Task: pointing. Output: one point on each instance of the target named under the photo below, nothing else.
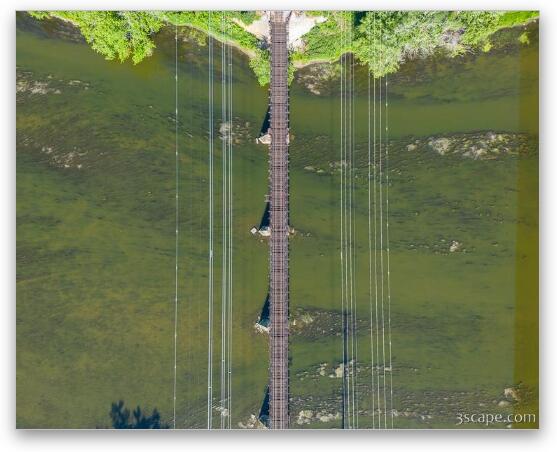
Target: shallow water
(96, 234)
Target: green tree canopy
(118, 35)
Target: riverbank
(381, 40)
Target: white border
(282, 4)
(312, 441)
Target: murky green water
(96, 234)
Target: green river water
(96, 236)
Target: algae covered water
(96, 248)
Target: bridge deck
(278, 160)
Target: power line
(371, 285)
(176, 224)
(211, 235)
(388, 245)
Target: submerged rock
(317, 78)
(511, 393)
(339, 371)
(252, 423)
(476, 146)
(224, 129)
(27, 85)
(440, 145)
(477, 153)
(304, 417)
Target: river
(96, 234)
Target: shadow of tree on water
(123, 419)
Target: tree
(121, 418)
(115, 34)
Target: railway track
(279, 221)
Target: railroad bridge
(279, 221)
